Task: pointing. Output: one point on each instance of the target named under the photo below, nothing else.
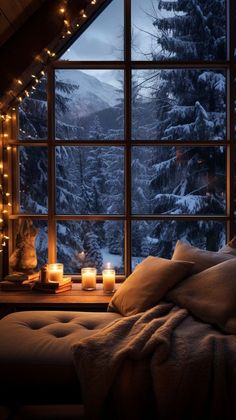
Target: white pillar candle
(88, 276)
(108, 279)
(55, 272)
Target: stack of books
(17, 282)
(53, 286)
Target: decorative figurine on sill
(24, 257)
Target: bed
(166, 348)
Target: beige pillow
(203, 259)
(148, 284)
(210, 295)
(230, 247)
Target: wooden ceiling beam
(20, 54)
(14, 14)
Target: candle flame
(108, 265)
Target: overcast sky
(103, 39)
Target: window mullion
(230, 120)
(128, 122)
(51, 169)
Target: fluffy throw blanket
(161, 364)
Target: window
(127, 144)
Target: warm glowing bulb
(27, 93)
(7, 194)
(93, 2)
(42, 72)
(1, 220)
(19, 82)
(6, 237)
(8, 147)
(5, 175)
(62, 10)
(9, 204)
(1, 165)
(84, 15)
(77, 25)
(33, 87)
(68, 32)
(33, 75)
(66, 22)
(20, 99)
(5, 211)
(5, 135)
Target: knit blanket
(160, 364)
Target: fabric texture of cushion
(35, 342)
(148, 284)
(210, 295)
(203, 259)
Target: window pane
(90, 180)
(90, 244)
(33, 179)
(178, 30)
(33, 114)
(178, 180)
(179, 104)
(158, 238)
(89, 104)
(103, 39)
(41, 242)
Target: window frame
(229, 65)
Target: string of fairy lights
(22, 89)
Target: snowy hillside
(91, 94)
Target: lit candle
(55, 272)
(108, 278)
(88, 275)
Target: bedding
(203, 259)
(172, 361)
(150, 280)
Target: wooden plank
(12, 9)
(4, 24)
(15, 15)
(75, 297)
(20, 54)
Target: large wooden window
(127, 144)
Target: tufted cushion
(35, 346)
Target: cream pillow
(230, 247)
(203, 259)
(210, 295)
(148, 284)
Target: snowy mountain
(91, 95)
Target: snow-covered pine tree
(188, 104)
(33, 113)
(93, 256)
(96, 131)
(63, 91)
(190, 30)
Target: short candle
(108, 279)
(55, 272)
(88, 275)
